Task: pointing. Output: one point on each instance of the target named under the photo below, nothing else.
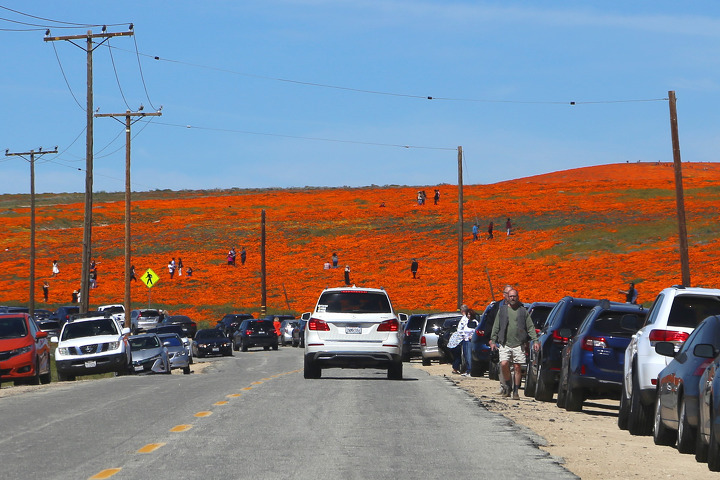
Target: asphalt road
(254, 416)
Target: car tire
(46, 377)
(243, 347)
(35, 379)
(494, 371)
(701, 450)
(294, 344)
(562, 390)
(275, 347)
(235, 346)
(406, 357)
(476, 369)
(311, 369)
(661, 434)
(395, 371)
(530, 382)
(426, 362)
(186, 370)
(543, 388)
(640, 417)
(686, 433)
(713, 456)
(624, 411)
(574, 399)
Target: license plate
(90, 364)
(353, 330)
(216, 349)
(138, 368)
(261, 332)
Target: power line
(117, 78)
(58, 21)
(142, 76)
(65, 78)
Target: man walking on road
(512, 329)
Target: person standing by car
(465, 328)
(414, 267)
(512, 329)
(276, 325)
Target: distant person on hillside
(475, 232)
(347, 275)
(419, 197)
(132, 273)
(631, 294)
(171, 267)
(335, 259)
(46, 291)
(189, 271)
(243, 256)
(74, 296)
(55, 268)
(437, 196)
(414, 267)
(490, 231)
(179, 267)
(508, 226)
(231, 257)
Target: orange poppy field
(585, 232)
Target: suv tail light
(423, 342)
(319, 325)
(667, 336)
(480, 333)
(391, 325)
(590, 343)
(558, 339)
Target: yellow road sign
(150, 278)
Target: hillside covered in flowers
(584, 232)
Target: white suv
(92, 345)
(353, 327)
(672, 318)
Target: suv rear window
(415, 322)
(688, 311)
(609, 324)
(354, 302)
(434, 324)
(257, 325)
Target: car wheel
(35, 379)
(425, 362)
(275, 347)
(624, 411)
(639, 419)
(294, 343)
(494, 371)
(562, 390)
(713, 456)
(661, 434)
(243, 347)
(543, 388)
(574, 399)
(235, 346)
(530, 382)
(686, 433)
(311, 369)
(701, 450)
(46, 378)
(186, 370)
(476, 369)
(395, 371)
(406, 357)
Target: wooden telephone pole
(679, 195)
(128, 123)
(32, 154)
(87, 223)
(460, 231)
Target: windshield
(173, 341)
(90, 328)
(354, 302)
(13, 327)
(144, 343)
(209, 333)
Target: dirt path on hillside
(590, 442)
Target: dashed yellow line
(107, 473)
(150, 447)
(203, 414)
(256, 383)
(234, 395)
(246, 388)
(221, 402)
(181, 428)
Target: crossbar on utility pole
(128, 123)
(32, 154)
(87, 223)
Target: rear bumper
(354, 359)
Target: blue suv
(592, 361)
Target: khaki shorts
(512, 354)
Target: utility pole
(128, 123)
(679, 195)
(32, 153)
(263, 280)
(460, 230)
(87, 223)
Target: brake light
(667, 336)
(558, 339)
(590, 343)
(701, 368)
(480, 333)
(423, 341)
(319, 325)
(391, 325)
(248, 332)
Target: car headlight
(63, 350)
(20, 351)
(113, 345)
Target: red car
(24, 350)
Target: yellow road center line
(107, 473)
(256, 383)
(266, 379)
(203, 414)
(234, 395)
(181, 428)
(247, 388)
(150, 447)
(222, 402)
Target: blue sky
(293, 93)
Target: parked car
(676, 403)
(143, 319)
(62, 314)
(162, 329)
(298, 333)
(480, 347)
(24, 350)
(353, 327)
(286, 329)
(672, 317)
(51, 327)
(255, 333)
(592, 361)
(177, 353)
(429, 338)
(411, 336)
(115, 310)
(448, 327)
(543, 369)
(231, 321)
(707, 447)
(149, 355)
(211, 341)
(41, 314)
(186, 323)
(92, 345)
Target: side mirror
(631, 322)
(666, 349)
(704, 350)
(40, 335)
(54, 339)
(403, 317)
(306, 316)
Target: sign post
(150, 278)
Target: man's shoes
(466, 374)
(456, 372)
(515, 395)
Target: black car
(449, 327)
(51, 327)
(543, 371)
(298, 333)
(592, 361)
(255, 333)
(211, 341)
(62, 314)
(231, 321)
(677, 404)
(186, 323)
(411, 336)
(480, 347)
